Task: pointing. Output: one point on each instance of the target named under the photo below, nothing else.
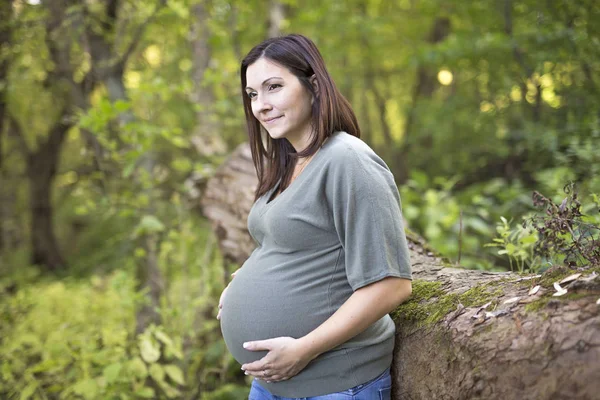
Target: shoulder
(345, 151)
(353, 170)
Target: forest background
(113, 114)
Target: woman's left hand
(286, 358)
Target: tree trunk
(234, 181)
(41, 171)
(450, 343)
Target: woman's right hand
(223, 295)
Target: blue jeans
(379, 388)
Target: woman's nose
(262, 105)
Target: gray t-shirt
(335, 229)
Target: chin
(275, 134)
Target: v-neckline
(271, 199)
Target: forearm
(364, 307)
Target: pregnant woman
(307, 313)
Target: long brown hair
(331, 112)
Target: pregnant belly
(258, 307)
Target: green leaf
(149, 349)
(175, 374)
(146, 393)
(111, 373)
(121, 105)
(528, 239)
(179, 8)
(129, 168)
(171, 392)
(28, 391)
(176, 352)
(149, 224)
(88, 388)
(138, 368)
(163, 338)
(157, 372)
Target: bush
(74, 339)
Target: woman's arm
(363, 308)
(288, 356)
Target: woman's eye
(274, 86)
(252, 95)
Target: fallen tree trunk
(464, 334)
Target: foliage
(460, 222)
(566, 235)
(75, 338)
(555, 235)
(518, 244)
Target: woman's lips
(270, 121)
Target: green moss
(429, 303)
(481, 294)
(537, 305)
(415, 308)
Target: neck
(301, 142)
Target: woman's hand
(223, 295)
(286, 358)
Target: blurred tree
(6, 21)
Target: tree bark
(41, 171)
(449, 344)
(227, 199)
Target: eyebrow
(265, 81)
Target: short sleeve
(368, 218)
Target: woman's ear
(315, 85)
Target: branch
(137, 36)
(58, 42)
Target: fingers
(222, 297)
(267, 377)
(255, 367)
(223, 294)
(258, 345)
(221, 303)
(221, 300)
(277, 378)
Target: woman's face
(279, 102)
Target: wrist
(308, 347)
